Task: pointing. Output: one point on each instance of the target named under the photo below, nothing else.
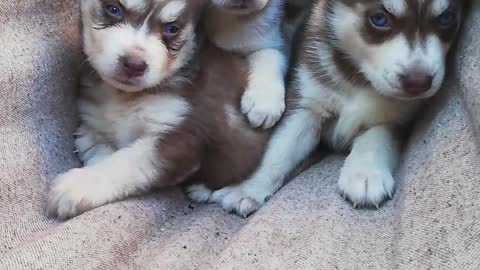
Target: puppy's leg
(129, 171)
(290, 144)
(90, 146)
(366, 178)
(264, 99)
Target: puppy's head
(398, 46)
(137, 44)
(240, 7)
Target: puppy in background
(254, 28)
(364, 68)
(158, 107)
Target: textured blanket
(433, 222)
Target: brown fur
(223, 154)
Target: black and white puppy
(363, 70)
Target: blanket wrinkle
(431, 223)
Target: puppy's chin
(407, 97)
(403, 96)
(131, 86)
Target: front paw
(89, 148)
(264, 104)
(239, 200)
(74, 193)
(365, 185)
(198, 193)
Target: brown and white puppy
(254, 29)
(364, 68)
(158, 108)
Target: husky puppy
(159, 107)
(254, 28)
(363, 70)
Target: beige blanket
(433, 222)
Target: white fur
(264, 99)
(396, 7)
(122, 120)
(172, 10)
(366, 177)
(117, 143)
(135, 5)
(126, 172)
(199, 193)
(439, 6)
(260, 38)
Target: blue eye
(379, 20)
(447, 18)
(171, 29)
(114, 10)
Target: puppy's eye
(447, 19)
(114, 10)
(380, 20)
(171, 30)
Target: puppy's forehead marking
(135, 5)
(396, 7)
(172, 10)
(439, 6)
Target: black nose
(416, 81)
(133, 66)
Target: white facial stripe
(135, 5)
(171, 11)
(396, 7)
(439, 6)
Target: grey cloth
(432, 222)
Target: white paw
(239, 200)
(264, 103)
(199, 193)
(75, 192)
(365, 185)
(88, 148)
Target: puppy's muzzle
(133, 66)
(416, 81)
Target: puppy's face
(136, 44)
(399, 46)
(241, 7)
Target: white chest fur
(352, 108)
(123, 118)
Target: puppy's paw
(88, 147)
(74, 193)
(264, 103)
(365, 185)
(238, 200)
(198, 193)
